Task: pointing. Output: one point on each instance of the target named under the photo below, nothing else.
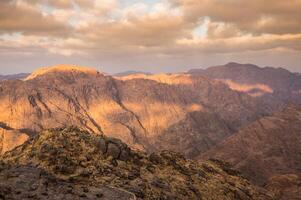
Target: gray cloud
(95, 32)
(18, 17)
(256, 16)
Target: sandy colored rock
(145, 112)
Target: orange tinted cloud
(171, 29)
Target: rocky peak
(62, 69)
(95, 161)
(64, 150)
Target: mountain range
(183, 112)
(239, 113)
(131, 72)
(267, 82)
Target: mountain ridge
(262, 149)
(134, 110)
(130, 72)
(60, 69)
(66, 154)
(280, 83)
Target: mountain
(247, 122)
(127, 73)
(180, 112)
(267, 151)
(74, 164)
(267, 82)
(14, 77)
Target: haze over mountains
(240, 113)
(131, 72)
(14, 76)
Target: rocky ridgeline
(73, 164)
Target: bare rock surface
(26, 182)
(9, 139)
(74, 164)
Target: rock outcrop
(9, 139)
(73, 164)
(27, 182)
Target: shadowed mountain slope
(266, 148)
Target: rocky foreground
(73, 164)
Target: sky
(150, 35)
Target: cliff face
(266, 83)
(9, 139)
(266, 148)
(145, 112)
(70, 163)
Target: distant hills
(14, 76)
(130, 72)
(277, 83)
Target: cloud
(256, 16)
(16, 16)
(167, 29)
(242, 43)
